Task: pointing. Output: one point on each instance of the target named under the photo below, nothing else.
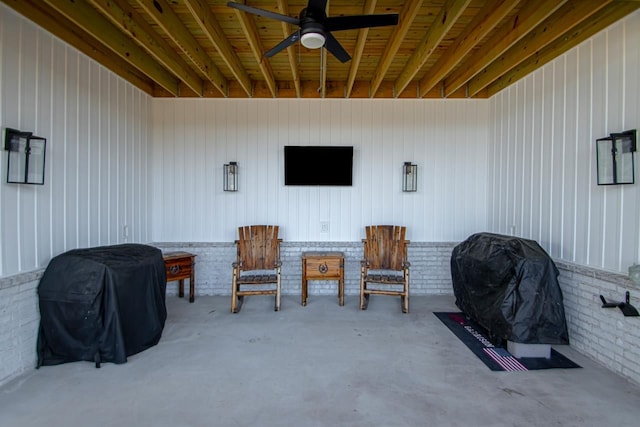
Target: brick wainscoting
(604, 334)
(19, 323)
(430, 267)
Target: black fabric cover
(510, 287)
(101, 304)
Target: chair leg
(362, 287)
(365, 302)
(405, 296)
(235, 307)
(278, 289)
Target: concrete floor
(320, 365)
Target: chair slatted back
(385, 247)
(258, 247)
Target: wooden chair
(257, 265)
(385, 264)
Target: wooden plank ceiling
(440, 48)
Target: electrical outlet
(324, 226)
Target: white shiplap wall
(542, 155)
(97, 130)
(193, 138)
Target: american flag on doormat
(505, 359)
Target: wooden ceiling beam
(201, 13)
(448, 15)
(530, 16)
(596, 23)
(123, 16)
(368, 9)
(92, 22)
(407, 15)
(568, 16)
(250, 30)
(480, 27)
(175, 29)
(55, 23)
(324, 53)
(286, 31)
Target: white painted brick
(430, 267)
(19, 322)
(603, 334)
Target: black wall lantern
(409, 177)
(25, 163)
(230, 177)
(614, 156)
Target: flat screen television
(318, 165)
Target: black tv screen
(318, 165)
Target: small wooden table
(323, 266)
(179, 266)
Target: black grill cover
(101, 304)
(510, 287)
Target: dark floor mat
(498, 358)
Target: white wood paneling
(193, 138)
(551, 119)
(97, 127)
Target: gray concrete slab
(320, 365)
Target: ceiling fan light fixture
(312, 40)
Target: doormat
(498, 358)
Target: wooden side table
(179, 266)
(323, 266)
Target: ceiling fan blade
(334, 46)
(317, 5)
(265, 13)
(337, 23)
(294, 37)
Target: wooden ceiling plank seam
(123, 16)
(368, 9)
(201, 13)
(568, 16)
(255, 44)
(478, 29)
(64, 29)
(291, 53)
(407, 15)
(527, 18)
(92, 22)
(448, 15)
(598, 22)
(175, 29)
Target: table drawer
(178, 268)
(322, 268)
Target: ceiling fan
(315, 26)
